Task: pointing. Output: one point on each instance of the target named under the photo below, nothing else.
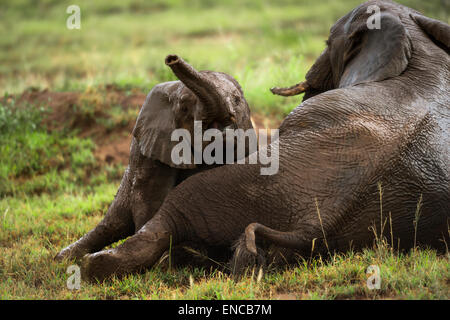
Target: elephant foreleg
(117, 224)
(153, 181)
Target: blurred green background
(69, 99)
(261, 43)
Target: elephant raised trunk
(201, 85)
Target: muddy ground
(89, 113)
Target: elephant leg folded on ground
(140, 251)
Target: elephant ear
(376, 54)
(319, 77)
(435, 29)
(155, 124)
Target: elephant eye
(237, 99)
(356, 37)
(184, 108)
(184, 102)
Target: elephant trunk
(201, 86)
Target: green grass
(39, 226)
(28, 150)
(261, 43)
(52, 190)
(36, 224)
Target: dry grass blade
(416, 220)
(380, 192)
(321, 225)
(199, 254)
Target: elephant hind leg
(137, 253)
(247, 252)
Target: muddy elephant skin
(376, 113)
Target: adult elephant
(376, 110)
(213, 98)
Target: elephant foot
(101, 265)
(74, 251)
(103, 234)
(138, 253)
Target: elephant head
(357, 54)
(214, 98)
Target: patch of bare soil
(89, 113)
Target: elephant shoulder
(320, 112)
(348, 115)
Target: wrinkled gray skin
(376, 110)
(214, 98)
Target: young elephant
(214, 98)
(377, 110)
